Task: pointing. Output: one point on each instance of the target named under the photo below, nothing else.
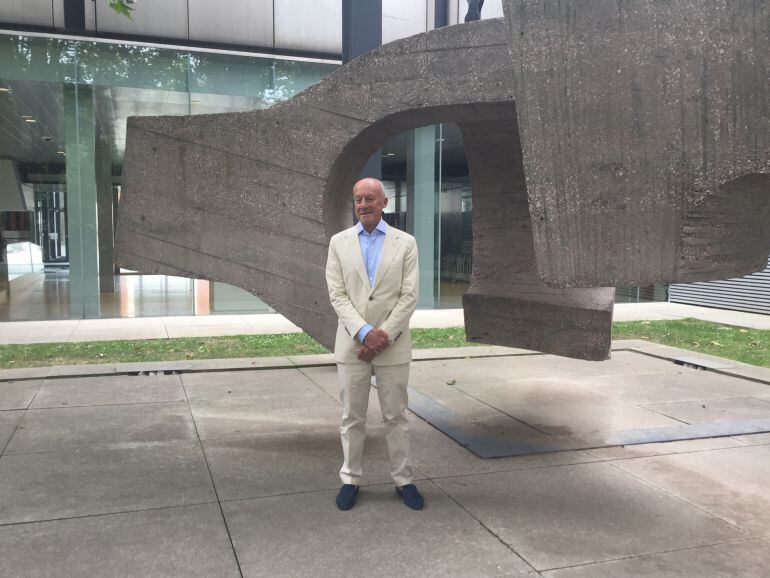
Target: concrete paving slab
(487, 436)
(702, 361)
(674, 384)
(268, 323)
(52, 485)
(659, 449)
(729, 483)
(8, 422)
(760, 374)
(325, 378)
(379, 537)
(626, 344)
(742, 408)
(81, 370)
(289, 462)
(186, 541)
(113, 426)
(470, 411)
(578, 514)
(755, 439)
(437, 455)
(146, 366)
(17, 394)
(746, 559)
(24, 373)
(240, 363)
(208, 330)
(37, 331)
(286, 386)
(205, 321)
(313, 359)
(114, 390)
(252, 417)
(108, 329)
(548, 367)
(562, 409)
(468, 352)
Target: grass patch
(84, 352)
(736, 343)
(746, 345)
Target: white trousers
(355, 382)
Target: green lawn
(747, 345)
(47, 354)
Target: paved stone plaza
(213, 472)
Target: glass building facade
(63, 110)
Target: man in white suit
(372, 277)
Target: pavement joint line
(596, 460)
(513, 417)
(96, 449)
(105, 405)
(303, 492)
(658, 455)
(180, 370)
(74, 328)
(483, 525)
(649, 554)
(318, 385)
(651, 484)
(211, 476)
(18, 423)
(101, 514)
(733, 373)
(639, 405)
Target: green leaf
(121, 7)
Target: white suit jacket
(387, 304)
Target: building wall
(283, 25)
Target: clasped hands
(375, 342)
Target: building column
(104, 204)
(80, 134)
(362, 32)
(422, 203)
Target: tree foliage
(121, 7)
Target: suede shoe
(346, 499)
(411, 496)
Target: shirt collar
(382, 227)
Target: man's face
(369, 202)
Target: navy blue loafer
(346, 499)
(411, 496)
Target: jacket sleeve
(340, 300)
(398, 320)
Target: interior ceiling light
(388, 155)
(61, 153)
(5, 89)
(47, 138)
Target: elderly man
(372, 277)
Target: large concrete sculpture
(609, 142)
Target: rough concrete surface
(239, 478)
(608, 143)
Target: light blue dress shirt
(371, 250)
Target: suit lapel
(388, 253)
(356, 257)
